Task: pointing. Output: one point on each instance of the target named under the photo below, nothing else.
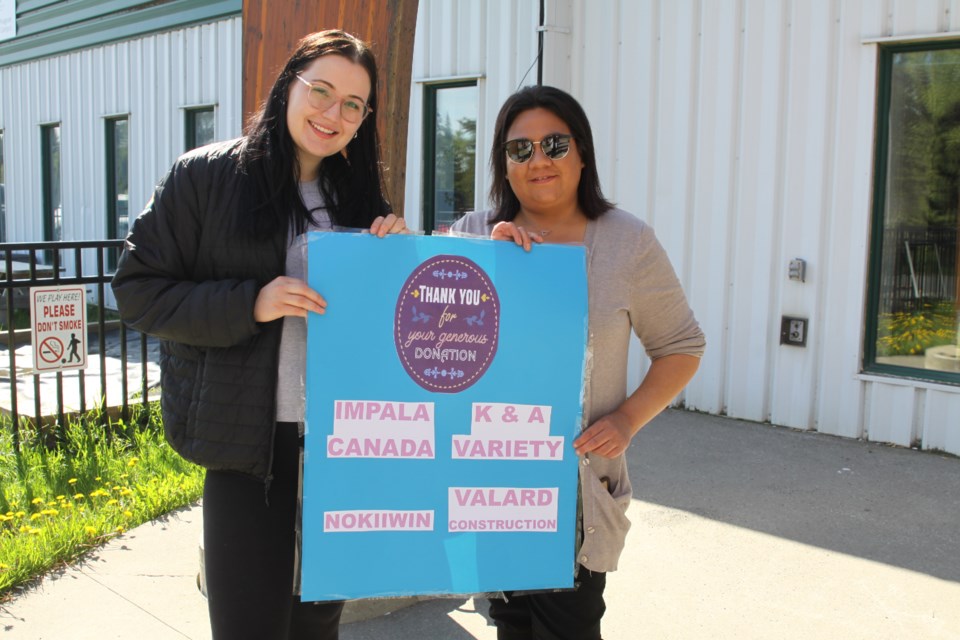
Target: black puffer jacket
(186, 278)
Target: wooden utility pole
(271, 29)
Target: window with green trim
(50, 172)
(913, 312)
(3, 202)
(200, 127)
(450, 153)
(117, 138)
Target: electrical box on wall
(798, 270)
(793, 331)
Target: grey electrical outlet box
(793, 331)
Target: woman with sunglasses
(214, 266)
(546, 190)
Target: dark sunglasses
(555, 146)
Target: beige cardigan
(631, 286)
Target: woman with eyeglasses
(215, 267)
(546, 190)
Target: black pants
(560, 615)
(249, 549)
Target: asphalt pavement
(740, 530)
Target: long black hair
(351, 184)
(560, 103)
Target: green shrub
(912, 333)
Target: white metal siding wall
(150, 79)
(494, 40)
(743, 131)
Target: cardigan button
(591, 529)
(586, 461)
(584, 558)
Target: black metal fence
(86, 263)
(920, 267)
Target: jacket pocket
(605, 523)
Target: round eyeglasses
(322, 97)
(555, 146)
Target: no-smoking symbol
(51, 350)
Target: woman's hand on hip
(390, 223)
(285, 296)
(510, 231)
(608, 437)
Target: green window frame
(449, 151)
(117, 142)
(199, 127)
(912, 326)
(3, 189)
(51, 182)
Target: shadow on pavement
(891, 505)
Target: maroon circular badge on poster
(447, 324)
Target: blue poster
(444, 392)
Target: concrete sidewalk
(740, 531)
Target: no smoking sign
(58, 318)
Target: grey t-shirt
(293, 344)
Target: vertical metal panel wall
(743, 131)
(149, 79)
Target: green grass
(56, 503)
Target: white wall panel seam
(614, 110)
(918, 431)
(832, 107)
(653, 131)
(693, 146)
(723, 342)
(774, 299)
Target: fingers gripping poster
(444, 392)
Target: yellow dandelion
(52, 503)
(132, 462)
(34, 531)
(72, 481)
(20, 514)
(113, 501)
(24, 528)
(35, 516)
(128, 514)
(4, 567)
(10, 513)
(49, 512)
(121, 530)
(4, 518)
(66, 505)
(97, 478)
(116, 487)
(78, 496)
(90, 530)
(61, 497)
(126, 492)
(37, 501)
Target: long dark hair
(564, 106)
(352, 189)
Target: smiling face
(544, 186)
(318, 134)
